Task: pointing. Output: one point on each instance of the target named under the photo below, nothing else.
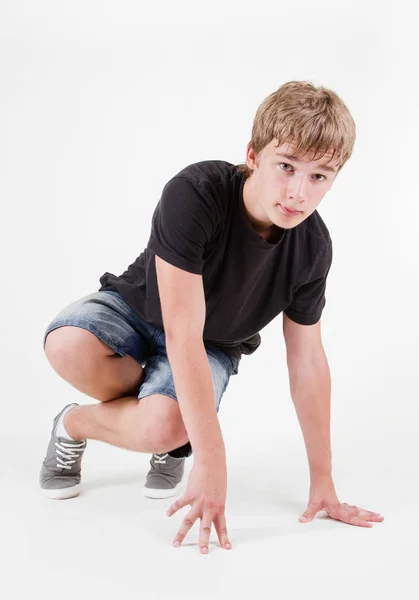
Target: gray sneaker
(61, 470)
(165, 476)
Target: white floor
(112, 542)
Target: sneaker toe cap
(52, 482)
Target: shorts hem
(162, 391)
(84, 325)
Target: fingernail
(228, 546)
(177, 544)
(204, 549)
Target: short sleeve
(182, 224)
(309, 299)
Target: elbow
(307, 360)
(181, 335)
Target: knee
(61, 346)
(163, 434)
(70, 349)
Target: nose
(297, 188)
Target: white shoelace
(160, 458)
(68, 452)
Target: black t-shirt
(200, 225)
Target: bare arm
(183, 309)
(310, 386)
(310, 383)
(310, 390)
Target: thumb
(308, 514)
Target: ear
(250, 157)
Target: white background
(103, 102)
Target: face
(279, 182)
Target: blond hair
(314, 119)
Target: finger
(365, 514)
(348, 516)
(359, 522)
(369, 515)
(375, 518)
(309, 514)
(221, 529)
(205, 531)
(187, 524)
(180, 503)
(359, 508)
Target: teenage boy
(231, 247)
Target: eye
(280, 164)
(316, 175)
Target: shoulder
(197, 196)
(315, 228)
(206, 185)
(314, 237)
(208, 171)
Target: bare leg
(152, 424)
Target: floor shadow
(113, 479)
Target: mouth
(290, 213)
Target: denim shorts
(114, 322)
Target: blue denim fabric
(112, 320)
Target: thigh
(112, 320)
(158, 377)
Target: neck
(256, 215)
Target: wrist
(215, 454)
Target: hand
(323, 497)
(206, 493)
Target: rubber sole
(63, 493)
(157, 494)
